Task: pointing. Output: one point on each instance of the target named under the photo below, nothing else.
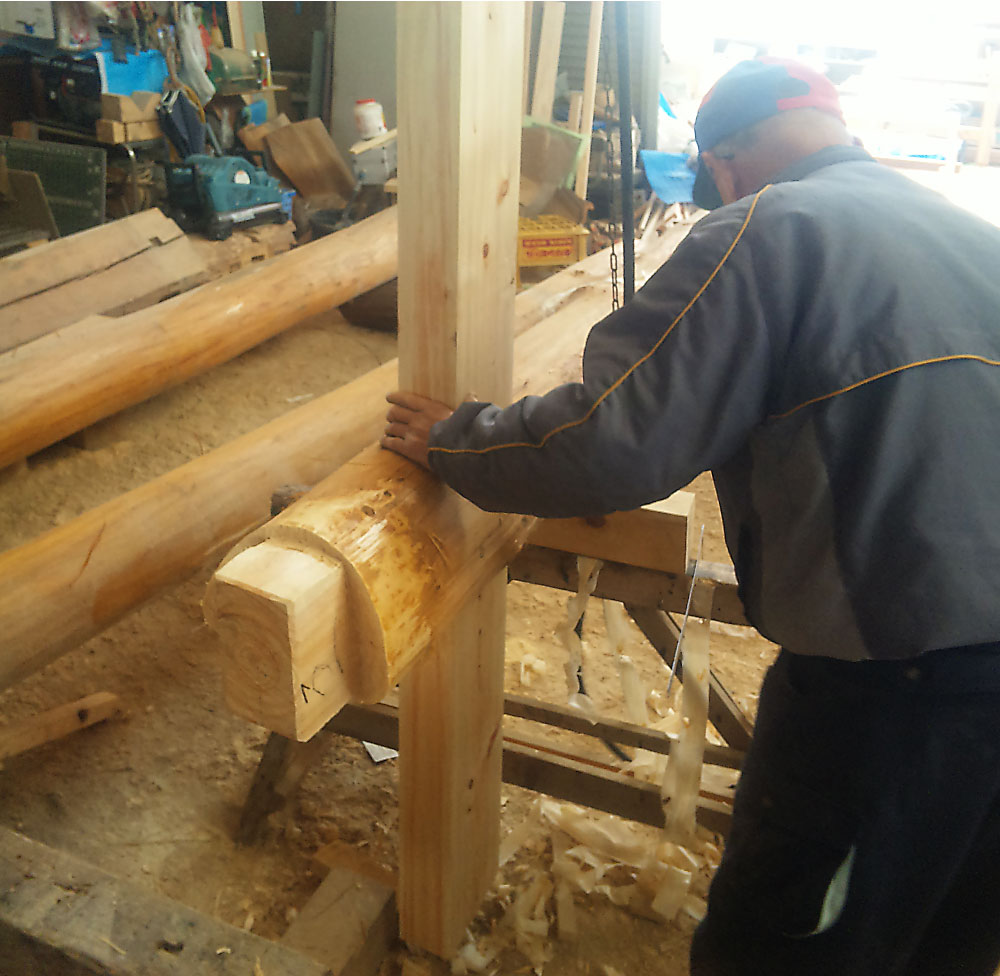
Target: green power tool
(216, 194)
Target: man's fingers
(413, 401)
(402, 414)
(397, 430)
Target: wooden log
(97, 567)
(57, 722)
(64, 381)
(441, 546)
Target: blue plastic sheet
(669, 176)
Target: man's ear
(724, 175)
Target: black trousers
(866, 827)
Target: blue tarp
(669, 176)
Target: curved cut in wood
(280, 608)
(411, 553)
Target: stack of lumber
(129, 118)
(112, 269)
(118, 268)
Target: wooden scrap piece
(349, 924)
(254, 137)
(310, 160)
(57, 722)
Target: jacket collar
(825, 157)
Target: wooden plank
(560, 777)
(284, 762)
(306, 154)
(59, 914)
(24, 205)
(459, 163)
(656, 536)
(350, 924)
(589, 94)
(139, 281)
(254, 137)
(612, 730)
(629, 584)
(82, 254)
(57, 722)
(140, 106)
(547, 61)
(113, 133)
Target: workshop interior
(272, 700)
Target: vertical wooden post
(526, 72)
(459, 74)
(984, 139)
(589, 93)
(547, 60)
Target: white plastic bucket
(368, 117)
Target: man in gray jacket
(827, 342)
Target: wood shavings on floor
(580, 854)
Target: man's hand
(409, 422)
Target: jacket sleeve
(672, 385)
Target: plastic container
(369, 118)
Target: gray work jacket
(829, 348)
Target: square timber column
(459, 77)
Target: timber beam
(96, 568)
(632, 585)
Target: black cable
(625, 160)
